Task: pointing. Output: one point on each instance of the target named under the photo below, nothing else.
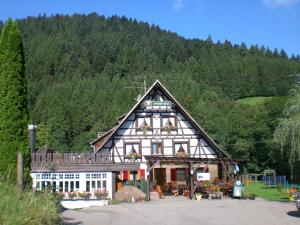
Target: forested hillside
(79, 67)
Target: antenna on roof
(139, 84)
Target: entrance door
(160, 176)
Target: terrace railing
(43, 159)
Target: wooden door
(160, 176)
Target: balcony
(76, 162)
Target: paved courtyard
(180, 211)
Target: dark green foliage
(78, 67)
(13, 99)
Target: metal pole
(145, 87)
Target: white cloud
(279, 3)
(178, 4)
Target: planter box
(78, 204)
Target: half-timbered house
(157, 139)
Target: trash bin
(238, 189)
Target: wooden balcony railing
(43, 159)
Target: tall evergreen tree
(13, 98)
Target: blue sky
(273, 23)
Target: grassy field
(272, 194)
(31, 209)
(252, 100)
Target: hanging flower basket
(133, 156)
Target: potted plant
(133, 156)
(198, 196)
(249, 195)
(101, 194)
(84, 195)
(72, 195)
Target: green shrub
(143, 185)
(30, 209)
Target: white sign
(203, 176)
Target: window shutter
(125, 175)
(173, 175)
(142, 173)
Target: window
(98, 184)
(169, 123)
(61, 176)
(132, 148)
(181, 147)
(157, 148)
(181, 174)
(143, 122)
(38, 176)
(46, 176)
(96, 175)
(61, 186)
(38, 185)
(104, 184)
(69, 176)
(54, 186)
(104, 175)
(178, 174)
(71, 185)
(87, 187)
(87, 176)
(77, 176)
(93, 184)
(77, 185)
(66, 186)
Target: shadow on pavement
(294, 213)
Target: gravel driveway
(180, 211)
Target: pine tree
(13, 98)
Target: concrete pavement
(180, 211)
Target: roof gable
(157, 85)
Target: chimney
(31, 140)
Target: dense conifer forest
(79, 66)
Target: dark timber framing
(157, 85)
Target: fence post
(20, 171)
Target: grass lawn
(252, 100)
(268, 193)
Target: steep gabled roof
(157, 83)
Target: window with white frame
(142, 123)
(181, 147)
(66, 182)
(132, 148)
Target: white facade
(73, 182)
(157, 138)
